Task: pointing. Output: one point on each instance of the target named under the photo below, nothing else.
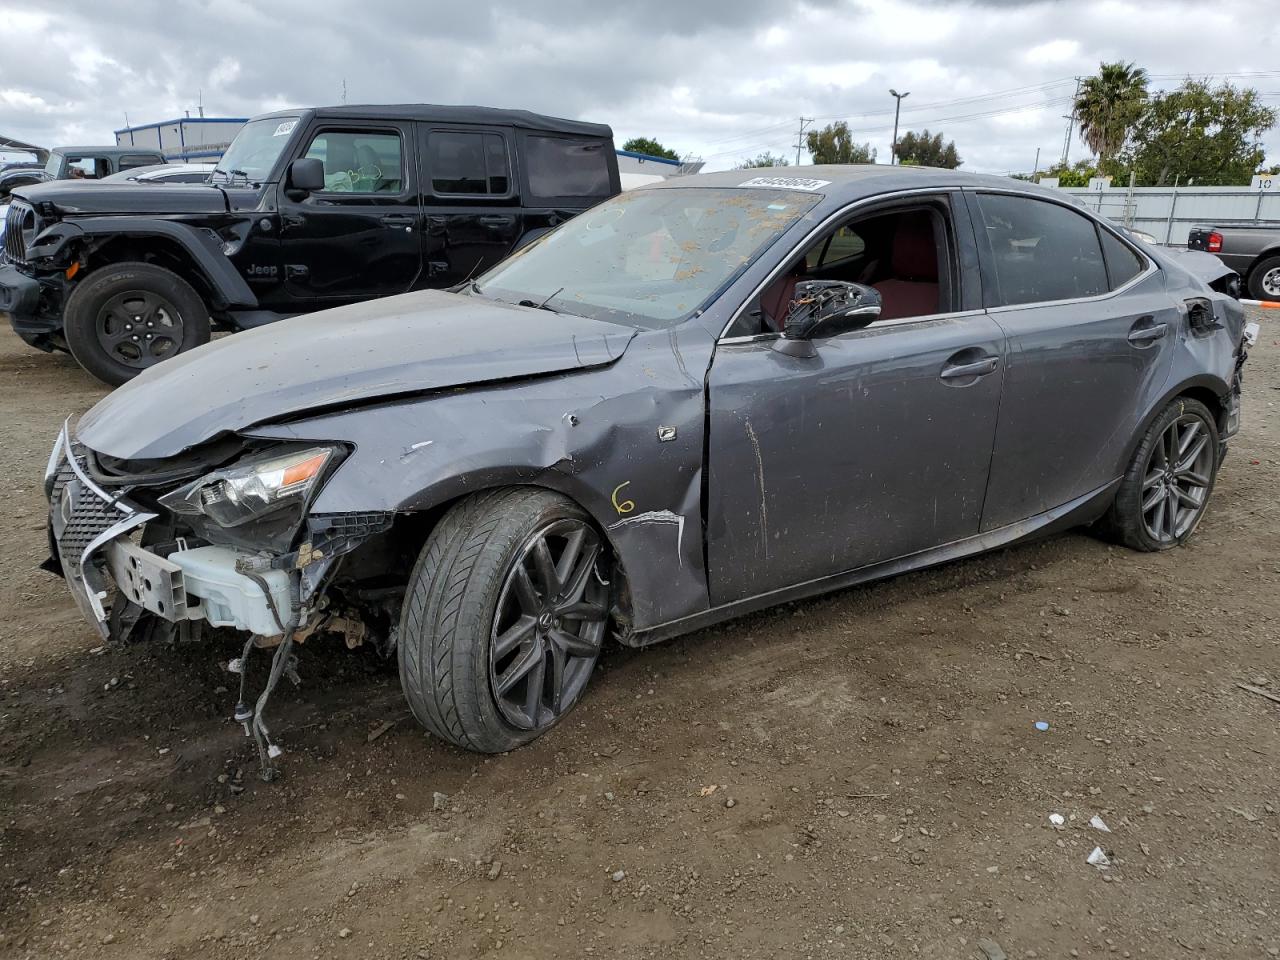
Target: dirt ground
(856, 776)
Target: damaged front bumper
(93, 534)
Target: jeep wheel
(504, 617)
(126, 317)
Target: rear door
(470, 201)
(360, 236)
(1091, 335)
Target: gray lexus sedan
(698, 399)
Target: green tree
(1210, 134)
(649, 147)
(834, 144)
(765, 159)
(1077, 175)
(922, 150)
(1108, 107)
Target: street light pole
(897, 107)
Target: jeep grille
(19, 223)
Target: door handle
(398, 220)
(1145, 332)
(964, 371)
(495, 221)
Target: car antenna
(549, 297)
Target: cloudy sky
(717, 79)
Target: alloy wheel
(1175, 485)
(139, 328)
(549, 625)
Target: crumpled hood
(82, 197)
(400, 345)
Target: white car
(164, 173)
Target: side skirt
(1082, 510)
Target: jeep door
(1091, 334)
(470, 203)
(878, 445)
(360, 236)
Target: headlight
(252, 488)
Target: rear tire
(126, 317)
(1165, 490)
(1264, 280)
(504, 617)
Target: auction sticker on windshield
(786, 183)
(285, 128)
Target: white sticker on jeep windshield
(786, 183)
(286, 128)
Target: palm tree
(1108, 106)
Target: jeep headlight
(253, 488)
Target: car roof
(851, 181)
(448, 113)
(111, 151)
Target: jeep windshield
(255, 150)
(651, 258)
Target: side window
(903, 255)
(129, 162)
(1122, 263)
(1041, 251)
(83, 168)
(564, 167)
(359, 161)
(468, 163)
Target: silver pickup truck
(1250, 249)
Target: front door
(1091, 335)
(876, 447)
(360, 236)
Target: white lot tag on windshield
(786, 183)
(285, 128)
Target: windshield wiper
(543, 304)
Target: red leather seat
(912, 287)
(777, 298)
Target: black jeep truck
(308, 209)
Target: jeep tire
(125, 317)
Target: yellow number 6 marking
(626, 506)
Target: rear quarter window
(567, 167)
(1123, 264)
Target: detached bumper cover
(92, 535)
(83, 518)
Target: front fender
(593, 436)
(202, 245)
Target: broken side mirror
(825, 308)
(306, 174)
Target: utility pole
(897, 108)
(344, 90)
(804, 122)
(1071, 123)
(1036, 166)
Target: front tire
(1165, 490)
(503, 620)
(126, 317)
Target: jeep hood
(409, 344)
(88, 197)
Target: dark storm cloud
(724, 79)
